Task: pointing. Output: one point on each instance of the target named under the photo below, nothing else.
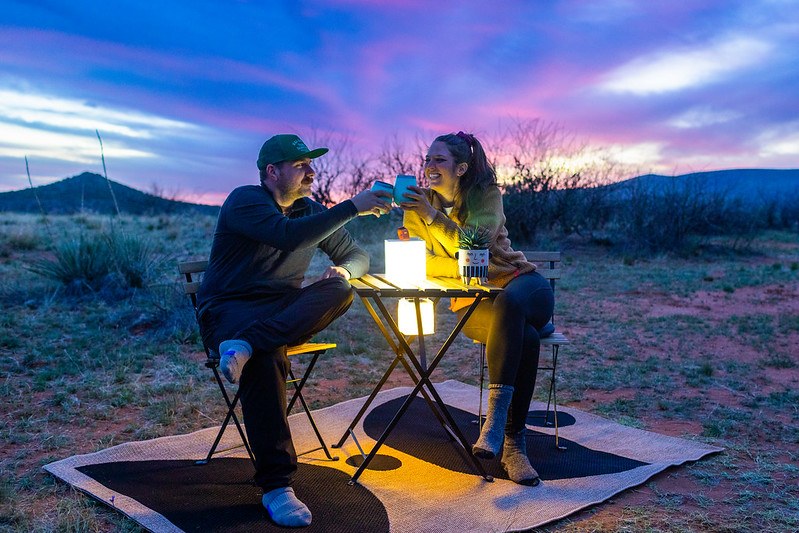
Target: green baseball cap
(285, 147)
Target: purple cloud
(185, 93)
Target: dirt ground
(719, 364)
(675, 491)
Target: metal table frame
(372, 289)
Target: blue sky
(184, 93)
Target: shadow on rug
(420, 482)
(221, 495)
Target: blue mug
(401, 185)
(383, 186)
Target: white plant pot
(473, 264)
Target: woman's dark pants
(508, 327)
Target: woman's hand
(417, 202)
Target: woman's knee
(476, 333)
(511, 302)
(528, 300)
(476, 328)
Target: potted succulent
(472, 254)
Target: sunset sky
(184, 94)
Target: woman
(463, 192)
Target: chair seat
(309, 347)
(555, 338)
(300, 349)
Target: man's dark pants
(269, 324)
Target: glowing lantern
(405, 261)
(406, 316)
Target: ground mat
(420, 480)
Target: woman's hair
(480, 174)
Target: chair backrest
(549, 266)
(192, 272)
(548, 263)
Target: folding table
(373, 289)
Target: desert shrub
(79, 264)
(22, 241)
(18, 236)
(677, 214)
(654, 220)
(527, 204)
(580, 210)
(736, 219)
(783, 213)
(551, 182)
(533, 215)
(134, 258)
(164, 310)
(95, 261)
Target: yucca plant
(473, 238)
(80, 263)
(87, 262)
(134, 257)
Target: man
(252, 302)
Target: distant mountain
(755, 185)
(89, 192)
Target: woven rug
(419, 481)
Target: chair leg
(553, 390)
(551, 393)
(298, 395)
(231, 414)
(482, 382)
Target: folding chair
(549, 266)
(192, 272)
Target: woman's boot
(489, 443)
(515, 460)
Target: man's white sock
(286, 509)
(233, 355)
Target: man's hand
(372, 202)
(335, 272)
(417, 201)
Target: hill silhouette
(89, 192)
(749, 185)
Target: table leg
(420, 330)
(424, 381)
(477, 465)
(411, 356)
(398, 350)
(366, 405)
